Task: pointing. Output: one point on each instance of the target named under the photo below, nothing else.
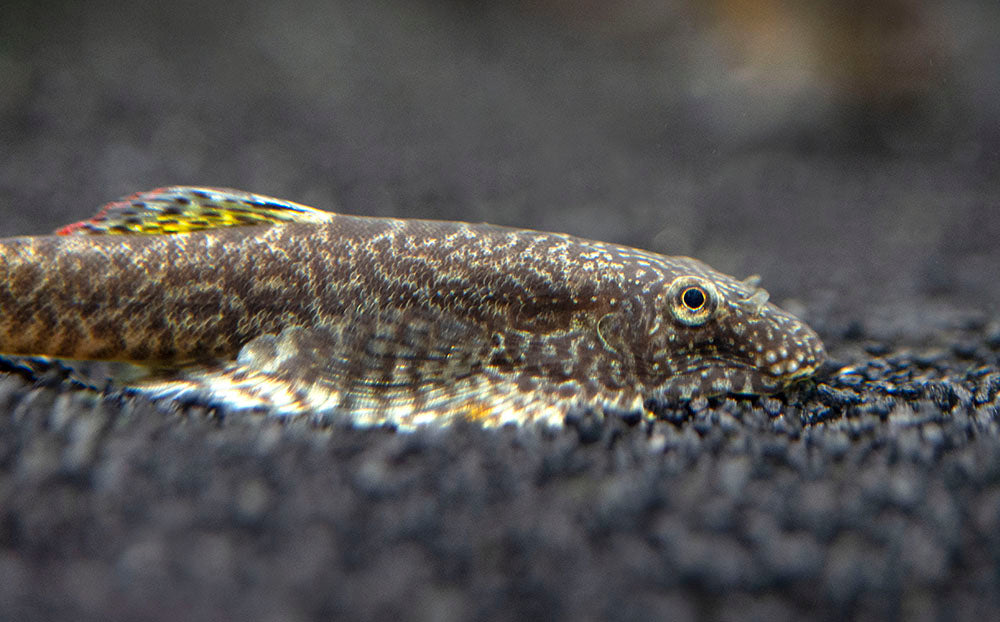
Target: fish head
(710, 334)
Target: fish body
(249, 302)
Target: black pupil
(693, 298)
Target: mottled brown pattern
(398, 321)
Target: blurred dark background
(848, 151)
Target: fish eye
(692, 300)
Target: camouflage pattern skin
(246, 302)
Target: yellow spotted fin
(182, 209)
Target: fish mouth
(716, 378)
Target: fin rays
(400, 369)
(182, 209)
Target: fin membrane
(182, 209)
(396, 369)
(85, 375)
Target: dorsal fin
(182, 209)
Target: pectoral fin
(398, 370)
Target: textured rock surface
(870, 197)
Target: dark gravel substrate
(874, 493)
(848, 153)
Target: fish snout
(795, 352)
